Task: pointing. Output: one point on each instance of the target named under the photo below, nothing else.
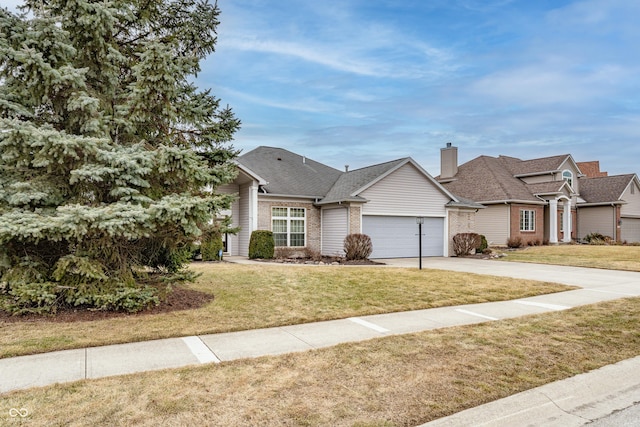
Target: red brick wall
(527, 237)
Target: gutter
(506, 202)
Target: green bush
(261, 245)
(483, 244)
(129, 299)
(29, 298)
(357, 246)
(211, 245)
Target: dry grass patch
(395, 381)
(614, 257)
(259, 296)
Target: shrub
(284, 252)
(483, 244)
(313, 254)
(261, 244)
(515, 242)
(357, 246)
(464, 243)
(211, 244)
(28, 298)
(598, 239)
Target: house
(309, 205)
(610, 206)
(546, 199)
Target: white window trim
(568, 179)
(290, 218)
(532, 220)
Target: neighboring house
(308, 205)
(543, 200)
(610, 206)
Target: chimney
(346, 168)
(448, 161)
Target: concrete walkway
(570, 402)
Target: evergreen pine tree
(106, 148)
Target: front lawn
(259, 296)
(616, 257)
(401, 380)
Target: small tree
(357, 247)
(261, 244)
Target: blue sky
(360, 82)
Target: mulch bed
(178, 299)
(323, 261)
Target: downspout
(616, 226)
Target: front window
(288, 226)
(567, 175)
(527, 220)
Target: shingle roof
(523, 167)
(486, 179)
(606, 189)
(289, 173)
(550, 187)
(494, 179)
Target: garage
(397, 236)
(630, 229)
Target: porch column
(253, 207)
(553, 221)
(566, 226)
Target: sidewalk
(593, 395)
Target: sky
(361, 82)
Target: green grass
(259, 296)
(616, 257)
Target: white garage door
(397, 236)
(630, 229)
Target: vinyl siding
(599, 219)
(334, 229)
(632, 207)
(493, 223)
(405, 192)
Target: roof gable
(351, 184)
(542, 165)
(605, 189)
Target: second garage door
(397, 236)
(630, 229)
